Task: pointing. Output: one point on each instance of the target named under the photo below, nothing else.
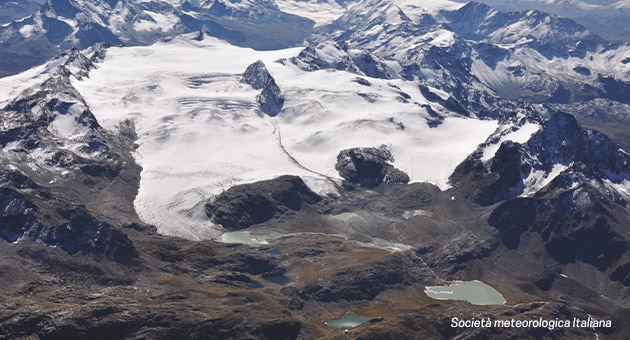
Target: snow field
(201, 132)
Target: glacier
(201, 131)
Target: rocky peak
(257, 75)
(244, 205)
(563, 140)
(334, 55)
(369, 167)
(61, 8)
(550, 35)
(561, 154)
(270, 98)
(55, 105)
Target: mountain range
(607, 18)
(368, 148)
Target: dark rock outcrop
(256, 75)
(576, 225)
(369, 167)
(75, 230)
(244, 205)
(270, 98)
(576, 213)
(335, 55)
(561, 141)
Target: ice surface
(201, 131)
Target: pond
(242, 237)
(347, 216)
(411, 213)
(349, 320)
(274, 251)
(277, 279)
(255, 285)
(475, 292)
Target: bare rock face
(270, 98)
(256, 75)
(244, 205)
(369, 167)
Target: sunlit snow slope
(201, 130)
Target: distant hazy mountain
(607, 18)
(60, 25)
(13, 10)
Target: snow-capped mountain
(52, 145)
(13, 10)
(482, 55)
(60, 25)
(560, 154)
(561, 184)
(607, 18)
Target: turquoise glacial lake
(348, 321)
(475, 292)
(241, 237)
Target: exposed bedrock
(244, 205)
(369, 167)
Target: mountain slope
(73, 23)
(13, 10)
(51, 146)
(565, 188)
(606, 18)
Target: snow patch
(162, 22)
(322, 12)
(538, 179)
(522, 135)
(67, 125)
(28, 30)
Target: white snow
(442, 94)
(415, 8)
(27, 30)
(163, 22)
(322, 12)
(66, 125)
(522, 135)
(440, 38)
(201, 132)
(12, 86)
(622, 188)
(330, 53)
(538, 179)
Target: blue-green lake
(241, 237)
(349, 320)
(475, 292)
(274, 251)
